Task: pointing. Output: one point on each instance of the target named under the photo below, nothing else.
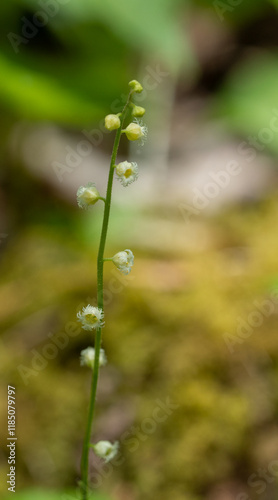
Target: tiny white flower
(106, 450)
(124, 261)
(87, 357)
(91, 317)
(127, 172)
(87, 196)
(136, 130)
(112, 122)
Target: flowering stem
(100, 260)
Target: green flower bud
(135, 131)
(136, 86)
(138, 111)
(112, 122)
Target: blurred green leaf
(39, 96)
(240, 14)
(274, 2)
(64, 72)
(150, 27)
(250, 95)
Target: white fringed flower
(87, 357)
(124, 261)
(136, 130)
(106, 450)
(127, 172)
(87, 196)
(112, 122)
(91, 317)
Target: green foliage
(21, 90)
(88, 45)
(249, 97)
(146, 27)
(244, 12)
(164, 336)
(274, 2)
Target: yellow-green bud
(135, 131)
(138, 111)
(112, 122)
(87, 196)
(136, 86)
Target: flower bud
(87, 357)
(136, 86)
(127, 172)
(106, 450)
(87, 196)
(124, 261)
(135, 131)
(112, 122)
(138, 111)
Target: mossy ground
(164, 339)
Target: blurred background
(190, 390)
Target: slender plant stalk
(100, 260)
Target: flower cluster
(127, 172)
(91, 317)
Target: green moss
(164, 339)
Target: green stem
(86, 444)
